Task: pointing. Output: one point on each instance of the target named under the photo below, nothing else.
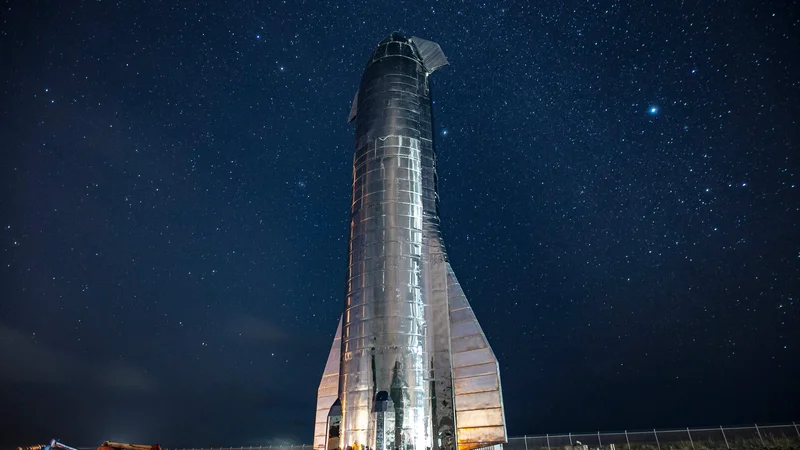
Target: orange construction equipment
(108, 445)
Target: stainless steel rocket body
(396, 376)
(385, 342)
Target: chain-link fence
(756, 437)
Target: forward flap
(431, 53)
(353, 109)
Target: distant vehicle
(108, 445)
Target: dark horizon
(619, 198)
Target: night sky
(619, 198)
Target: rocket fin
(353, 109)
(328, 391)
(431, 53)
(480, 415)
(434, 283)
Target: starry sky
(619, 198)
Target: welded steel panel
(473, 357)
(480, 436)
(479, 383)
(487, 417)
(472, 371)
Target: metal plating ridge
(394, 365)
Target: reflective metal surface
(385, 346)
(479, 397)
(400, 347)
(328, 390)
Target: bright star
(444, 132)
(653, 110)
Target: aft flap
(328, 391)
(480, 415)
(353, 109)
(431, 53)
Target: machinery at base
(54, 444)
(108, 445)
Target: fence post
(599, 442)
(759, 434)
(724, 437)
(570, 439)
(548, 439)
(627, 440)
(795, 429)
(690, 437)
(655, 433)
(526, 441)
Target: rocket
(410, 367)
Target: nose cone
(395, 36)
(396, 44)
